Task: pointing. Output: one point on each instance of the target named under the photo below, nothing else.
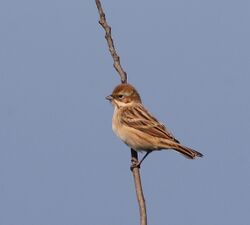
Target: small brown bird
(137, 128)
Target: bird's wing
(139, 118)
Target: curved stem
(108, 36)
(134, 156)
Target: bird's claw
(135, 164)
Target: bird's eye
(120, 96)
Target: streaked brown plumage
(136, 127)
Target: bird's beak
(110, 97)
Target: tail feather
(187, 152)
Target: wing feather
(139, 118)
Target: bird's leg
(144, 157)
(134, 160)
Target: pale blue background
(60, 163)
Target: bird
(138, 128)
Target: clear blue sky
(60, 163)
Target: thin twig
(134, 157)
(107, 28)
(138, 187)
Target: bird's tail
(187, 152)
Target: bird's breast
(116, 123)
(122, 131)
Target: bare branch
(107, 28)
(134, 156)
(138, 187)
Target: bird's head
(124, 95)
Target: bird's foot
(135, 164)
